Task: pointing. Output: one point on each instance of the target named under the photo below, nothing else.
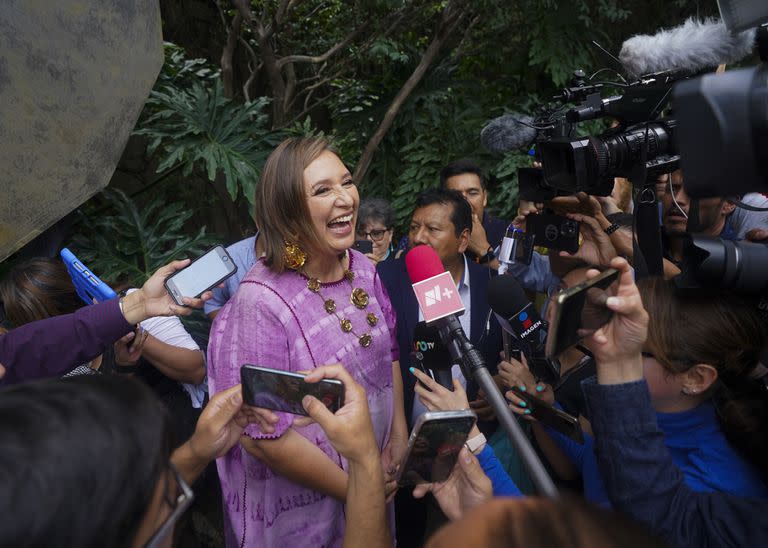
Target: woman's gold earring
(293, 256)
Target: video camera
(640, 145)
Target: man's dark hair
(461, 216)
(80, 459)
(459, 167)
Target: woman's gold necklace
(358, 297)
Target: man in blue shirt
(244, 255)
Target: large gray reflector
(74, 75)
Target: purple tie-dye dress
(275, 321)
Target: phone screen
(434, 447)
(551, 416)
(283, 391)
(580, 311)
(202, 274)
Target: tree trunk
(448, 23)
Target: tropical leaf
(128, 242)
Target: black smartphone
(434, 446)
(553, 231)
(205, 272)
(579, 311)
(283, 390)
(363, 246)
(551, 416)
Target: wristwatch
(488, 257)
(474, 444)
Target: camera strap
(647, 251)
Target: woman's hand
(515, 373)
(617, 345)
(349, 429)
(436, 397)
(465, 488)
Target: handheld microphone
(428, 278)
(432, 354)
(508, 132)
(515, 312)
(690, 47)
(520, 320)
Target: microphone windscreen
(508, 132)
(505, 296)
(691, 47)
(423, 262)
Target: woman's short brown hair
(281, 211)
(36, 289)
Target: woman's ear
(698, 379)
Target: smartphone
(283, 390)
(88, 285)
(553, 231)
(205, 272)
(551, 416)
(434, 446)
(363, 246)
(579, 311)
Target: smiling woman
(310, 301)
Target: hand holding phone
(547, 414)
(554, 232)
(580, 311)
(284, 391)
(434, 446)
(205, 272)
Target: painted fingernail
(527, 411)
(410, 369)
(522, 388)
(539, 388)
(522, 404)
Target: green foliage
(199, 128)
(128, 241)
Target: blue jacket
(395, 278)
(643, 482)
(697, 446)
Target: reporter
(630, 446)
(711, 413)
(108, 440)
(53, 346)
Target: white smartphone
(205, 272)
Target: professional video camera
(641, 141)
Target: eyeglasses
(375, 235)
(179, 503)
